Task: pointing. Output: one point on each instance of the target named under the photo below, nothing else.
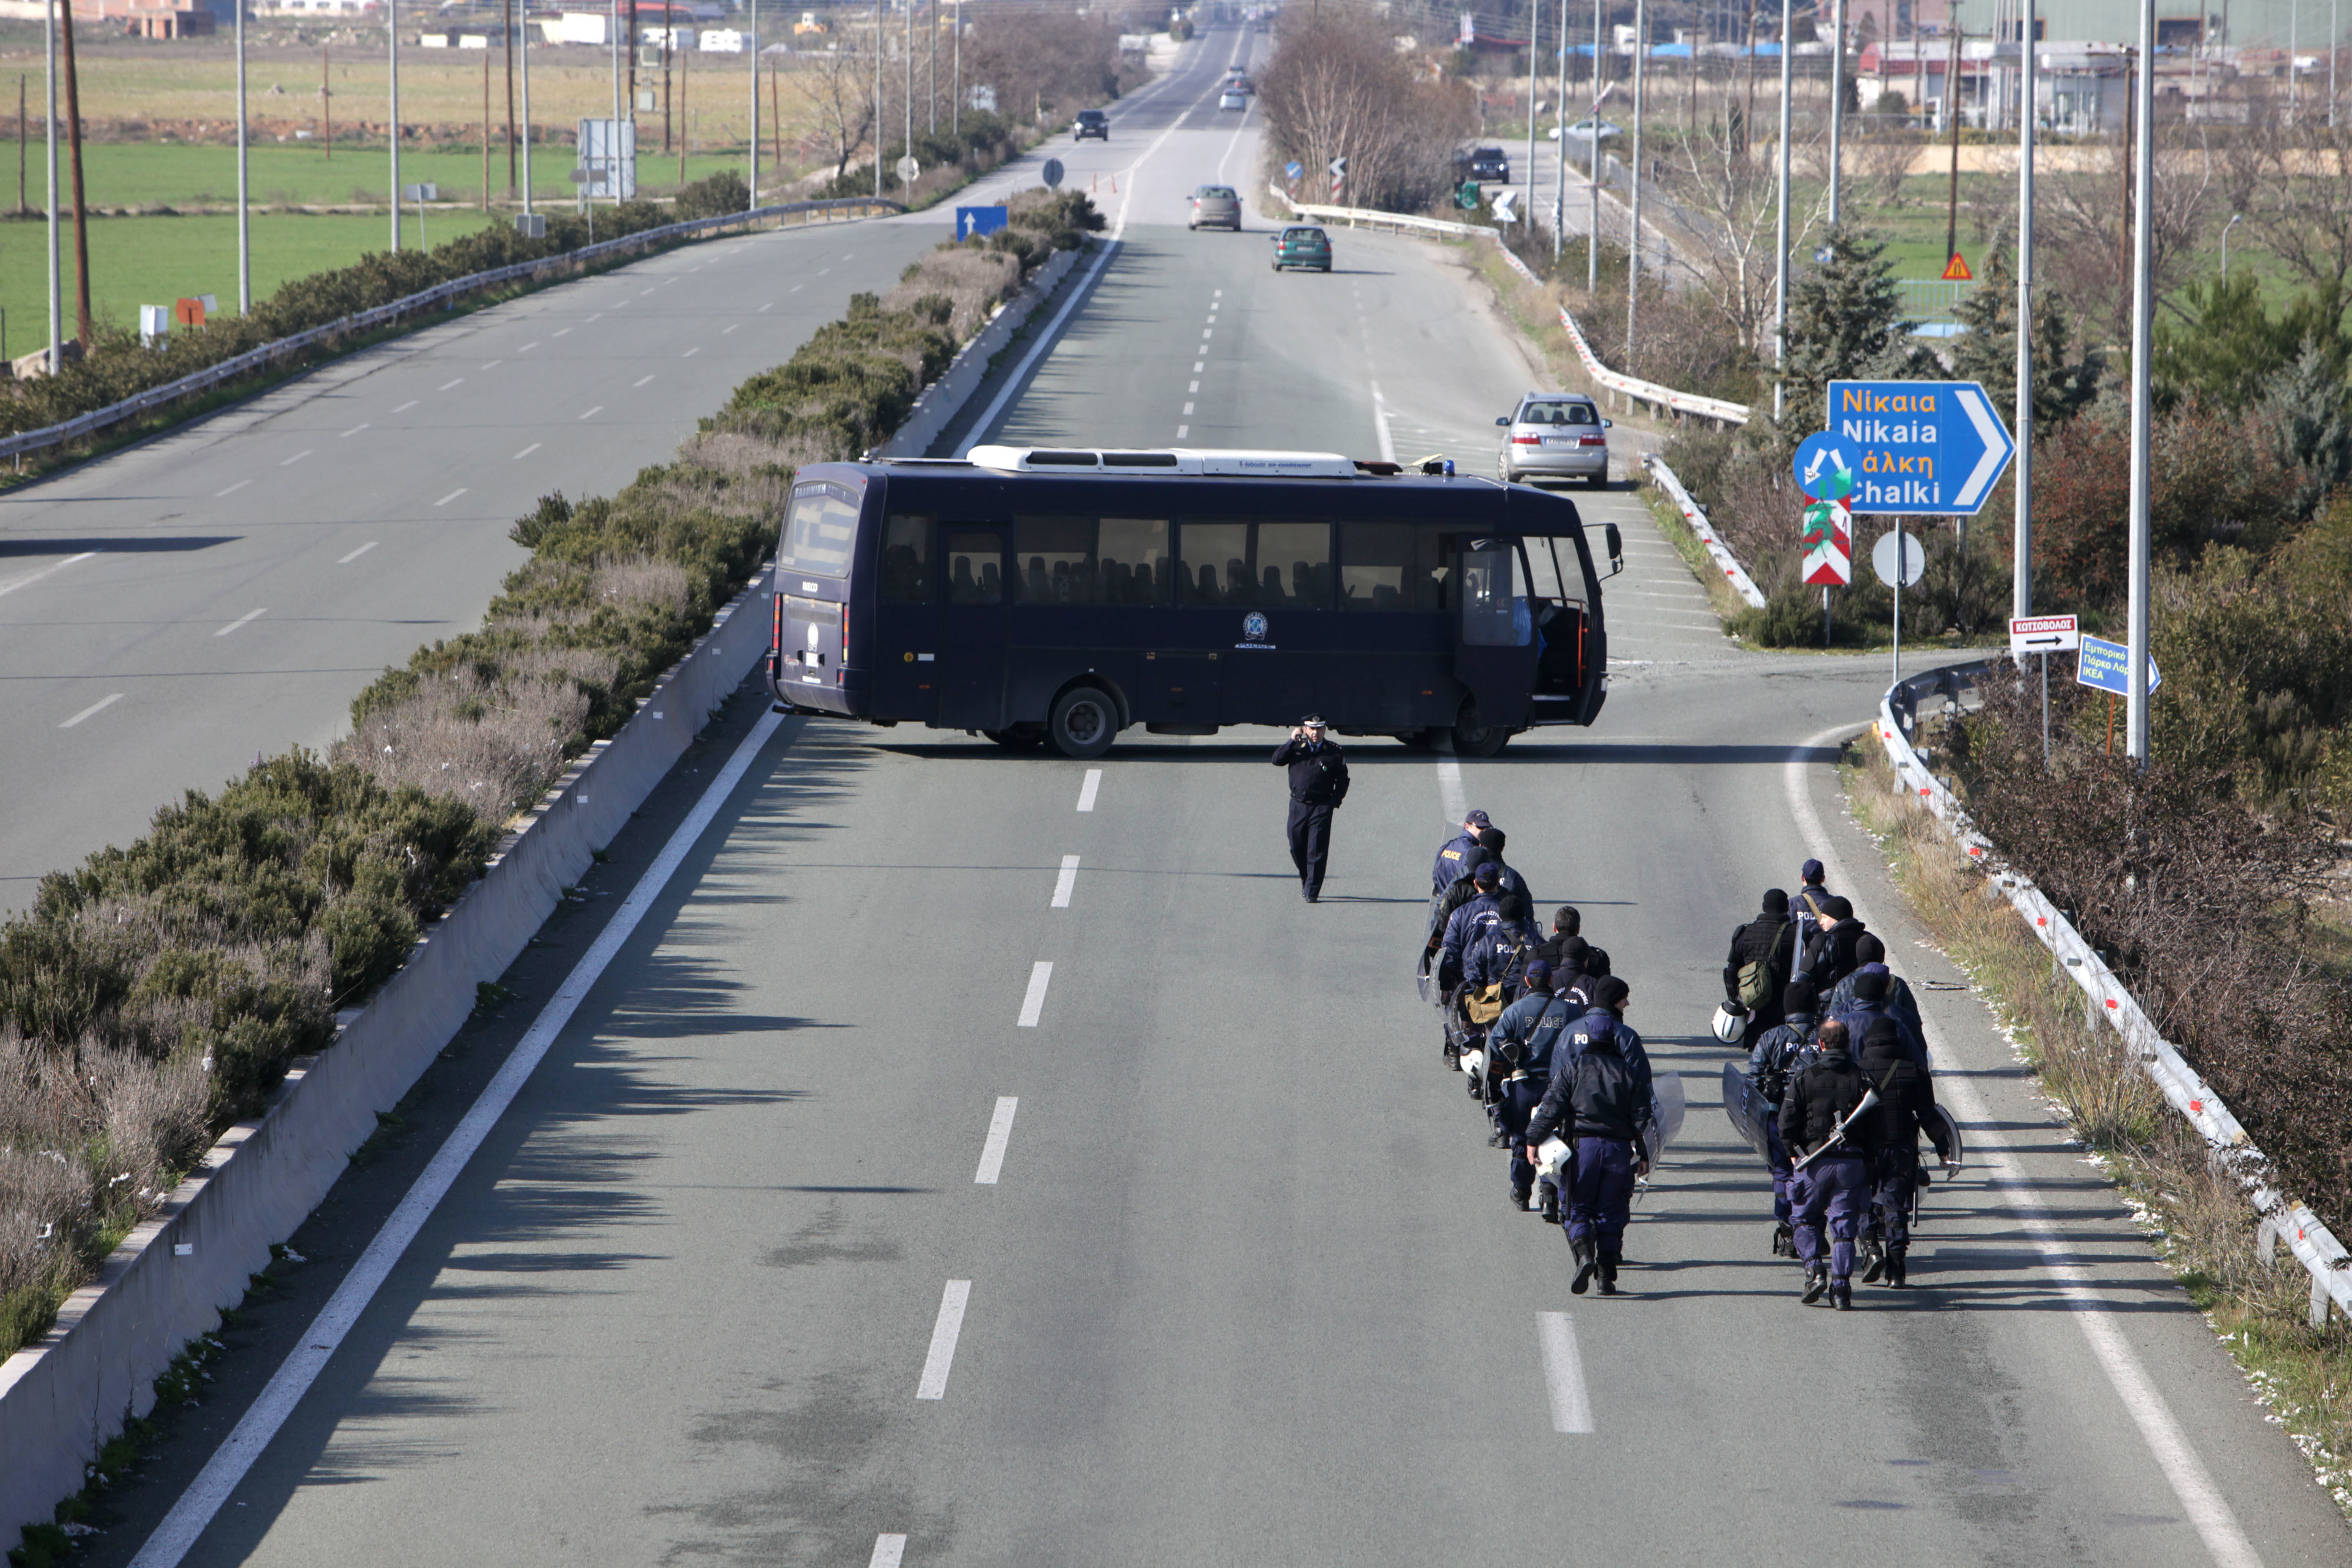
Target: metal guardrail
(1693, 515)
(2314, 1246)
(1399, 223)
(360, 321)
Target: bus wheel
(1084, 721)
(1471, 738)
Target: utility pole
(56, 273)
(910, 90)
(391, 43)
(327, 99)
(755, 109)
(1780, 271)
(931, 82)
(1560, 164)
(82, 329)
(523, 42)
(486, 130)
(2143, 323)
(507, 41)
(1952, 113)
(955, 108)
(1634, 248)
(244, 230)
(1837, 112)
(1593, 244)
(877, 100)
(2022, 571)
(1535, 32)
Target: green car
(1302, 245)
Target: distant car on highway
(1486, 164)
(1554, 435)
(1232, 98)
(1582, 131)
(1237, 79)
(1216, 207)
(1091, 123)
(1302, 245)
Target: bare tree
(1725, 188)
(838, 86)
(2294, 182)
(2087, 256)
(1336, 90)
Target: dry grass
(2198, 1217)
(974, 280)
(493, 743)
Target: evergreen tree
(2303, 406)
(1987, 350)
(1846, 322)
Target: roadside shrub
(714, 196)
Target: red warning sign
(1957, 270)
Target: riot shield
(1424, 980)
(1952, 1133)
(1666, 1121)
(1748, 1110)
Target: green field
(155, 260)
(175, 174)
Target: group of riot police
(1537, 1020)
(1833, 1094)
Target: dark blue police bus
(1052, 596)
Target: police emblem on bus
(1253, 627)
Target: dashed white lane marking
(1450, 797)
(771, 305)
(222, 1473)
(640, 381)
(593, 412)
(1196, 366)
(1040, 974)
(404, 408)
(691, 352)
(444, 386)
(1066, 883)
(598, 317)
(493, 365)
(32, 577)
(353, 431)
(1206, 332)
(1183, 431)
(1086, 790)
(1188, 408)
(97, 707)
(232, 490)
(2161, 1430)
(359, 552)
(1193, 388)
(1000, 1137)
(527, 451)
(728, 327)
(1571, 1409)
(1381, 423)
(298, 457)
(889, 1551)
(248, 616)
(526, 348)
(450, 496)
(945, 1331)
(559, 333)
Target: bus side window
(1492, 616)
(1396, 566)
(907, 559)
(1213, 565)
(1133, 560)
(974, 573)
(1054, 561)
(1294, 564)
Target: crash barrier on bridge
(252, 360)
(2314, 1246)
(62, 1398)
(944, 399)
(1696, 518)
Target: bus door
(1495, 655)
(1556, 599)
(974, 626)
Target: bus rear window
(1396, 566)
(820, 530)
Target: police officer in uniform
(1459, 855)
(1318, 783)
(1906, 1105)
(1771, 1066)
(1520, 1049)
(1598, 1102)
(1818, 1122)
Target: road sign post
(1917, 448)
(2045, 635)
(974, 222)
(1899, 561)
(2106, 666)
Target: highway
(983, 1158)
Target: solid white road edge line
(1034, 1003)
(33, 577)
(99, 706)
(1380, 423)
(945, 1331)
(1086, 790)
(221, 1475)
(2175, 1456)
(1000, 1137)
(1450, 796)
(889, 1551)
(1572, 1407)
(1066, 883)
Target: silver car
(1215, 207)
(1555, 435)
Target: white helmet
(1728, 1025)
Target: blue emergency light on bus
(1049, 596)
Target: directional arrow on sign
(1822, 471)
(1918, 448)
(1998, 448)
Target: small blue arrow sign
(974, 222)
(1824, 469)
(1292, 169)
(2106, 666)
(1919, 448)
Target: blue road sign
(1292, 169)
(2107, 667)
(1825, 466)
(1920, 448)
(974, 222)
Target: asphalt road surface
(983, 1158)
(171, 611)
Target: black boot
(1550, 1204)
(1877, 1256)
(1817, 1280)
(1452, 1057)
(1609, 1273)
(1522, 1201)
(1784, 1241)
(1896, 1268)
(1585, 1264)
(1841, 1295)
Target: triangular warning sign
(1957, 270)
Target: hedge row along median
(156, 994)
